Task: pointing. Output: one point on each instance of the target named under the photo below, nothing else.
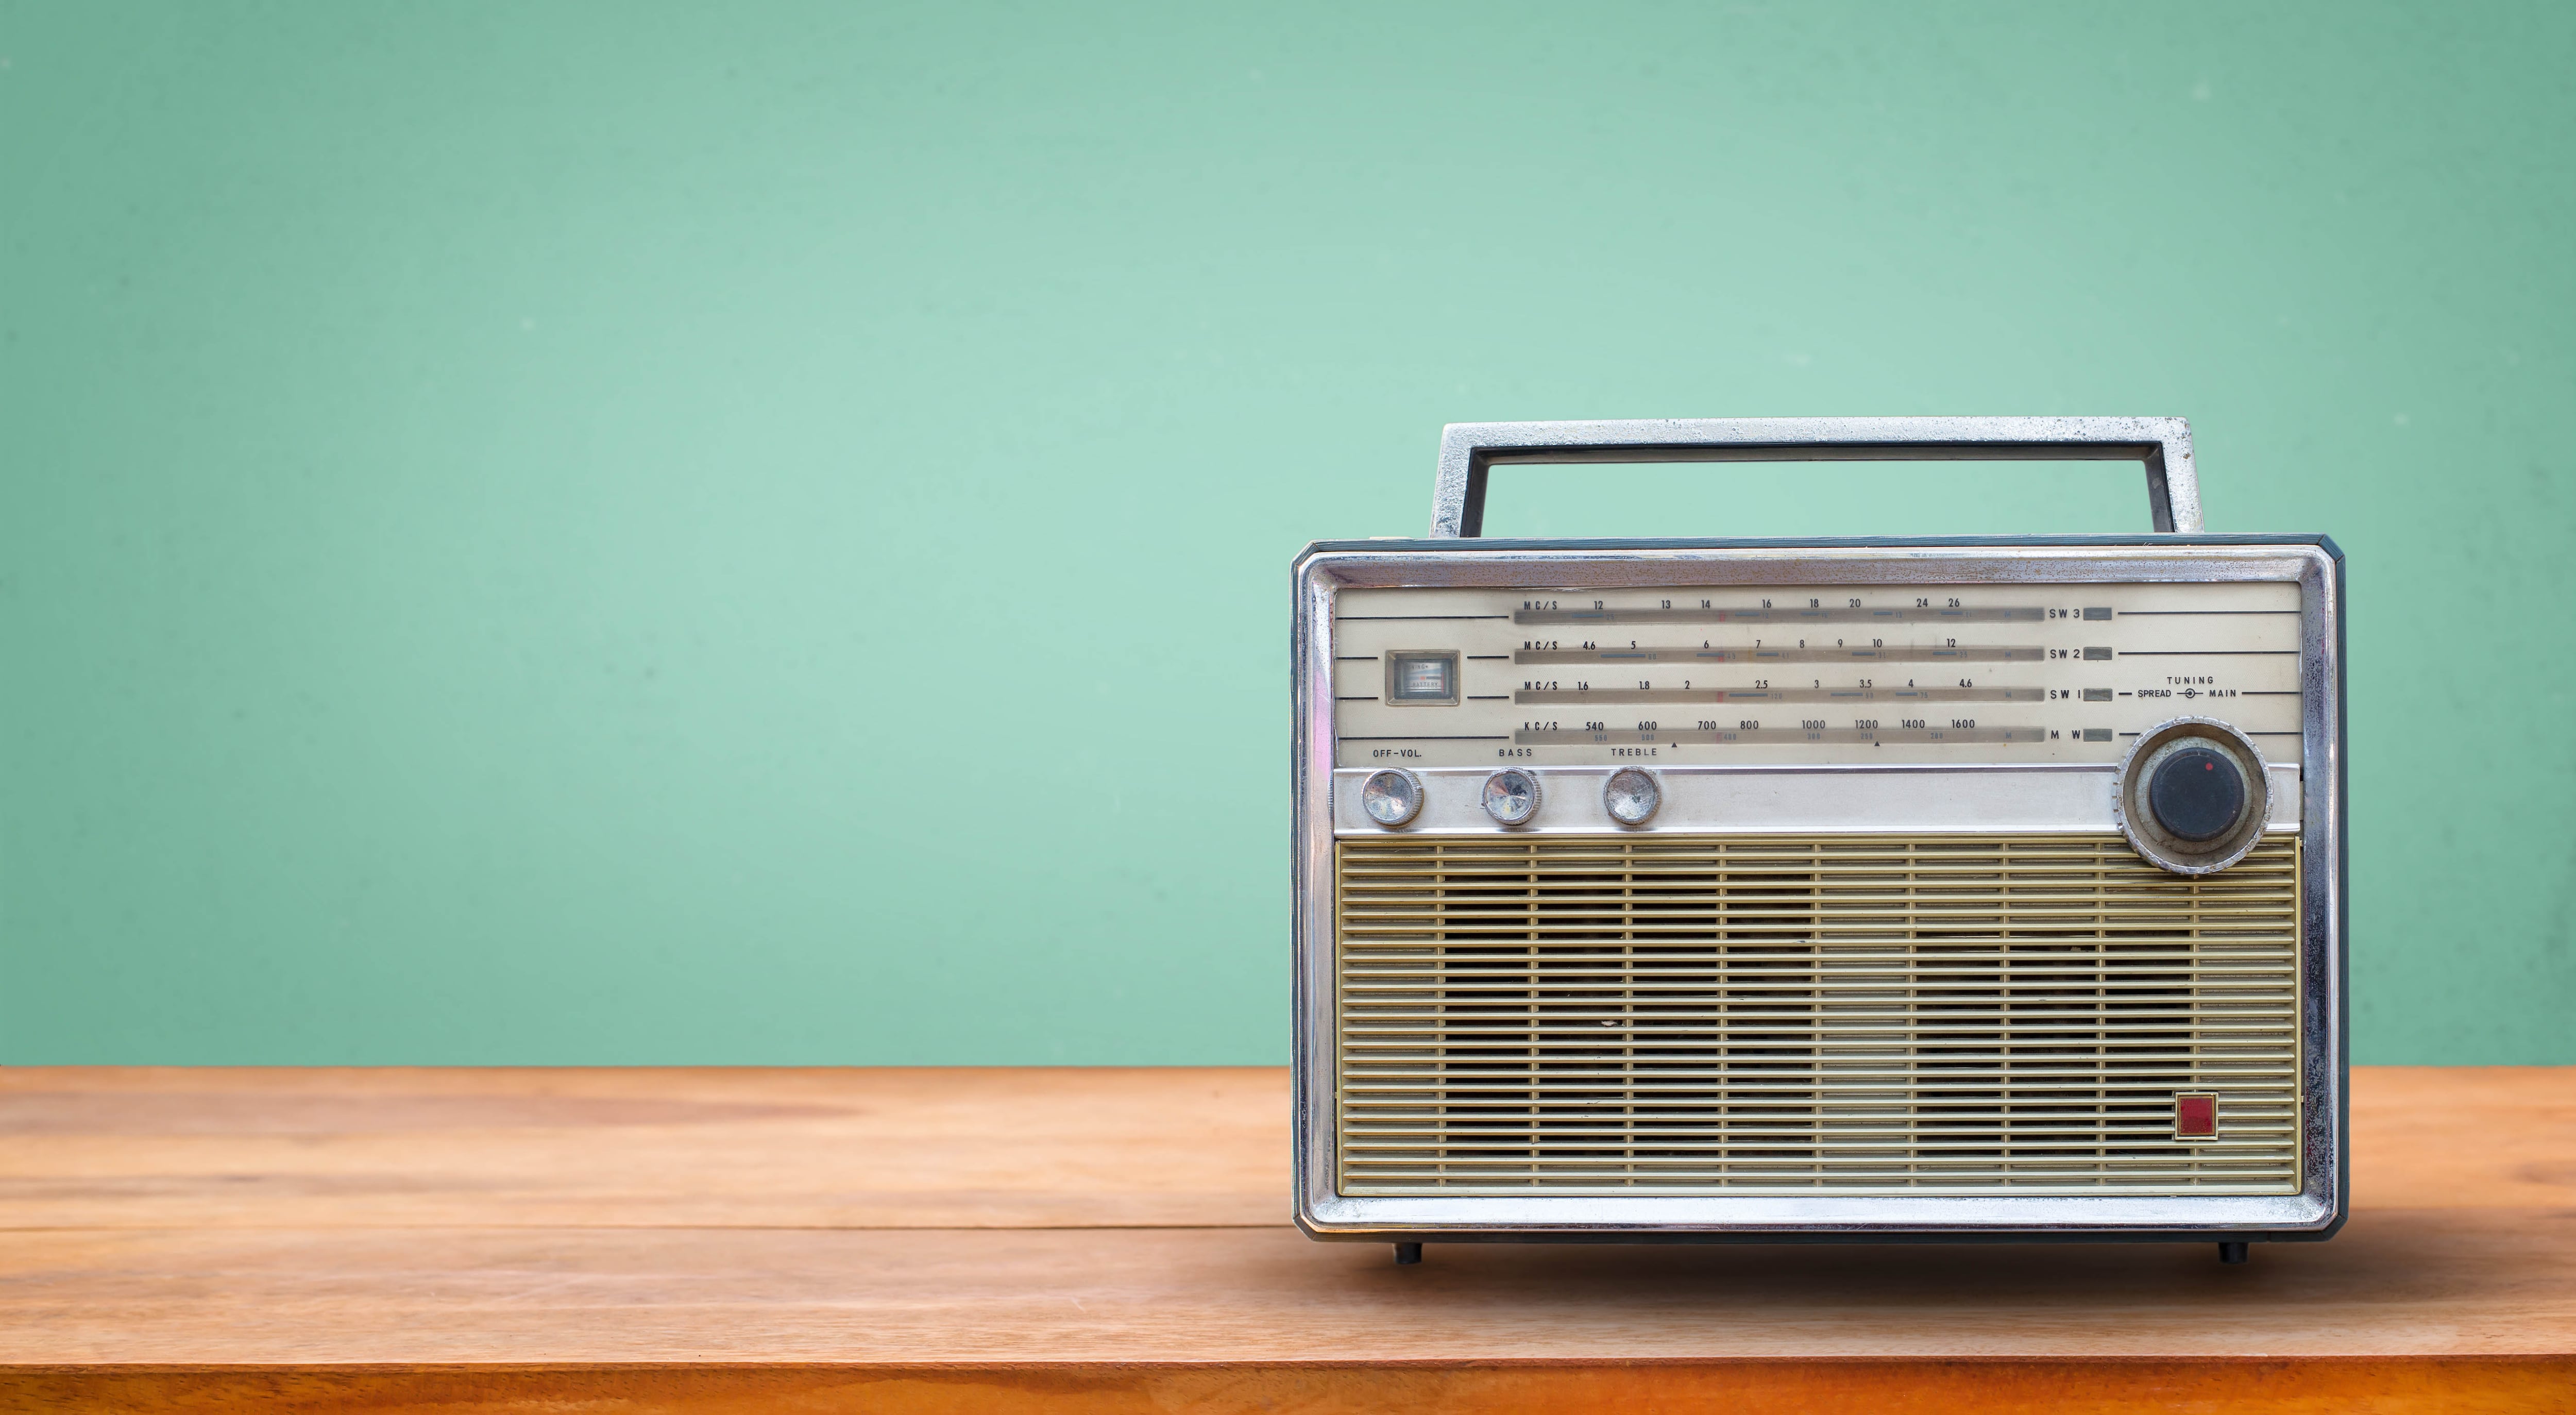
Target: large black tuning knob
(2192, 795)
(2197, 794)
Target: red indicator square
(2195, 1113)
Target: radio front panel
(1742, 889)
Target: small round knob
(1631, 796)
(1391, 797)
(1511, 796)
(2197, 794)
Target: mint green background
(759, 532)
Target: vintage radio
(1940, 889)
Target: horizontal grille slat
(1676, 1015)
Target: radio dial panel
(1820, 674)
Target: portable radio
(1862, 889)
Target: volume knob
(1392, 797)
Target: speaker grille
(1845, 1015)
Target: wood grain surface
(707, 1148)
(714, 1240)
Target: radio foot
(1407, 1254)
(2231, 1252)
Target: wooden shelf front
(1116, 1240)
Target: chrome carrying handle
(1469, 450)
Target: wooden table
(1116, 1240)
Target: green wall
(759, 532)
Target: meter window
(1422, 679)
